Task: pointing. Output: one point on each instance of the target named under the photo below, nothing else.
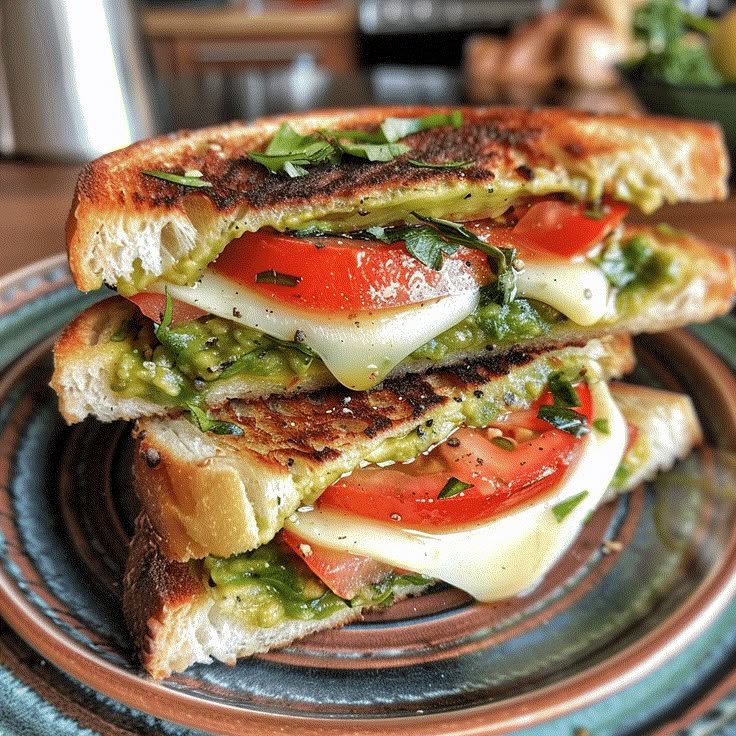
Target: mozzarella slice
(498, 558)
(359, 349)
(579, 289)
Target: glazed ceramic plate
(646, 610)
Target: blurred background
(79, 78)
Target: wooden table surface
(35, 199)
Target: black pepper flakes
(478, 394)
(525, 172)
(299, 336)
(453, 442)
(236, 313)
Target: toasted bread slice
(127, 229)
(176, 620)
(86, 355)
(210, 494)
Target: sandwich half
(346, 247)
(335, 560)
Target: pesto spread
(212, 349)
(271, 584)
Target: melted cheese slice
(498, 558)
(359, 349)
(579, 289)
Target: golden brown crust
(153, 588)
(113, 195)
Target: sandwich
(325, 572)
(346, 247)
(354, 342)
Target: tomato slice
(344, 574)
(153, 305)
(565, 229)
(501, 479)
(333, 273)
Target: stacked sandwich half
(370, 350)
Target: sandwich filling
(356, 309)
(512, 495)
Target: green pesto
(271, 585)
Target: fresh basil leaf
(440, 164)
(601, 425)
(633, 260)
(186, 181)
(276, 277)
(174, 342)
(373, 151)
(453, 487)
(376, 232)
(500, 259)
(425, 244)
(205, 423)
(289, 152)
(359, 136)
(563, 508)
(294, 170)
(395, 129)
(567, 420)
(563, 392)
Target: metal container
(76, 76)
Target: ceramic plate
(649, 611)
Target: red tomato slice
(501, 479)
(153, 305)
(565, 229)
(344, 574)
(345, 274)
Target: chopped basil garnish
(568, 420)
(503, 290)
(205, 423)
(173, 341)
(395, 129)
(290, 153)
(563, 391)
(275, 277)
(453, 487)
(440, 164)
(601, 425)
(504, 443)
(563, 508)
(187, 181)
(373, 151)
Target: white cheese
(359, 349)
(577, 289)
(498, 558)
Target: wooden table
(35, 199)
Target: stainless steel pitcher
(76, 76)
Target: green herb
(601, 425)
(662, 26)
(173, 341)
(275, 277)
(500, 259)
(206, 424)
(395, 129)
(567, 420)
(453, 487)
(440, 164)
(504, 443)
(122, 332)
(373, 151)
(634, 261)
(563, 392)
(289, 152)
(187, 181)
(563, 508)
